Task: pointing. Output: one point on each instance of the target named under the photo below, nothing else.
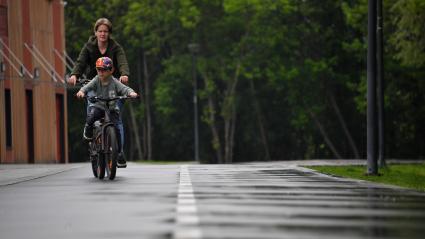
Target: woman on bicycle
(102, 45)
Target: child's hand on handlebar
(80, 94)
(133, 95)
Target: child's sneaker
(121, 163)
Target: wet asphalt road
(207, 201)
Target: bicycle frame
(106, 123)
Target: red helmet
(104, 63)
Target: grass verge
(405, 175)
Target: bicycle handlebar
(79, 83)
(95, 98)
(82, 81)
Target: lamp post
(194, 49)
(380, 84)
(372, 165)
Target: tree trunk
(260, 119)
(131, 143)
(230, 119)
(145, 140)
(140, 78)
(232, 133)
(136, 133)
(216, 142)
(213, 125)
(325, 135)
(229, 133)
(344, 126)
(226, 140)
(147, 108)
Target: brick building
(33, 113)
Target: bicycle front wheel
(101, 166)
(94, 166)
(93, 157)
(111, 155)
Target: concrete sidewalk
(16, 173)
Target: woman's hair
(103, 21)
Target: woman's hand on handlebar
(72, 80)
(80, 94)
(124, 79)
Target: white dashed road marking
(187, 221)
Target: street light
(194, 49)
(372, 165)
(380, 86)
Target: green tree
(279, 79)
(409, 35)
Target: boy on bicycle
(104, 85)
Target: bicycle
(103, 147)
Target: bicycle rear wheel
(111, 155)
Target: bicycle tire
(111, 145)
(94, 167)
(101, 166)
(93, 159)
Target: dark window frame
(8, 117)
(60, 116)
(30, 124)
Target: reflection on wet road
(244, 201)
(260, 201)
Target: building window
(8, 108)
(30, 125)
(60, 125)
(3, 20)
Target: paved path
(259, 200)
